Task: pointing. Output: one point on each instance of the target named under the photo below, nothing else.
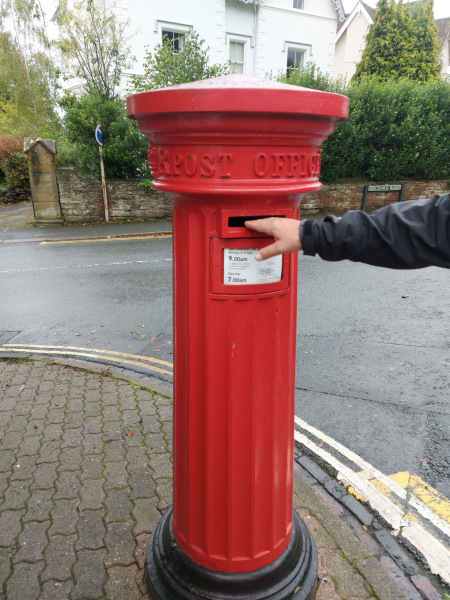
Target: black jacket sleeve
(407, 235)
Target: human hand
(285, 231)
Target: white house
(350, 40)
(258, 36)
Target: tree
(166, 66)
(28, 76)
(94, 42)
(124, 147)
(400, 44)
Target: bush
(310, 76)
(13, 162)
(16, 171)
(68, 155)
(396, 130)
(124, 146)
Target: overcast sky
(441, 7)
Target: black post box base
(173, 576)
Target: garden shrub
(124, 146)
(397, 129)
(13, 162)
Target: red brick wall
(336, 198)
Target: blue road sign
(98, 134)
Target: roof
(443, 26)
(342, 26)
(369, 9)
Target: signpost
(381, 188)
(98, 137)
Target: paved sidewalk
(83, 232)
(85, 474)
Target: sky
(441, 7)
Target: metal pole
(105, 199)
(364, 198)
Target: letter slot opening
(240, 221)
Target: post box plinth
(171, 574)
(228, 150)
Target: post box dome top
(238, 93)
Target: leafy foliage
(398, 129)
(13, 162)
(124, 147)
(165, 67)
(28, 76)
(310, 76)
(94, 42)
(400, 44)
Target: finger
(261, 225)
(268, 251)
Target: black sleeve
(407, 235)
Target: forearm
(409, 235)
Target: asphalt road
(373, 344)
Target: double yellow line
(147, 362)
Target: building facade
(351, 33)
(258, 37)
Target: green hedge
(396, 129)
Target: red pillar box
(227, 150)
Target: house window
(175, 37)
(236, 57)
(295, 59)
(300, 4)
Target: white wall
(266, 31)
(350, 46)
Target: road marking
(77, 348)
(406, 512)
(109, 239)
(424, 493)
(94, 353)
(120, 263)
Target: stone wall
(81, 199)
(341, 196)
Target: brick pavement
(85, 474)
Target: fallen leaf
(143, 335)
(80, 512)
(364, 527)
(77, 334)
(320, 444)
(21, 388)
(157, 350)
(128, 433)
(108, 342)
(405, 296)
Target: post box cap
(238, 93)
